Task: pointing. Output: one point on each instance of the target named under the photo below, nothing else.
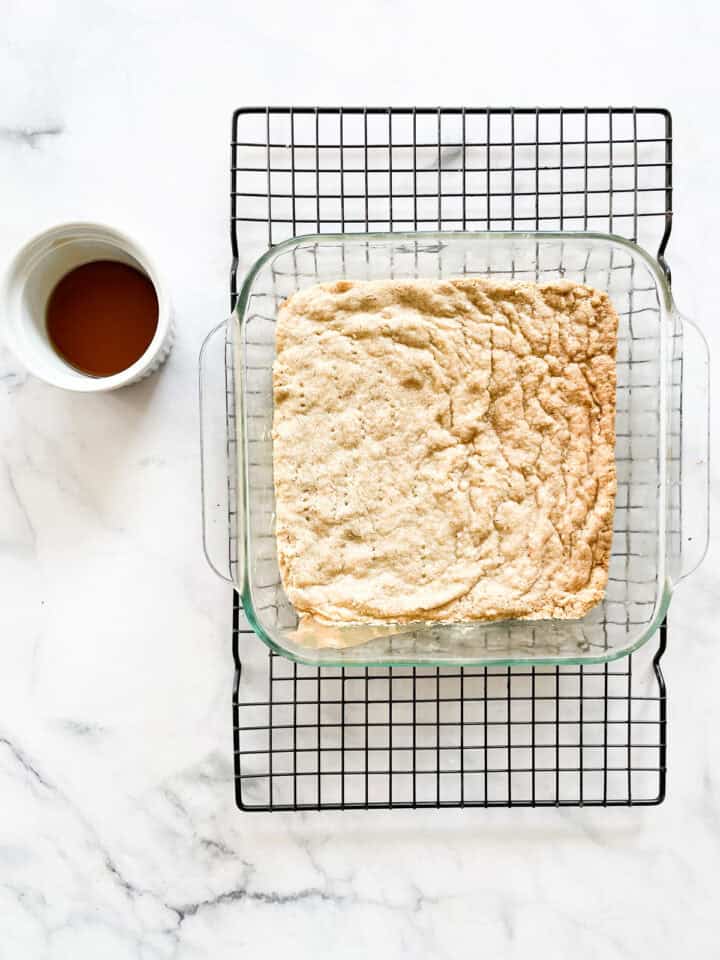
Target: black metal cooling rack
(360, 738)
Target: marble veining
(29, 136)
(119, 838)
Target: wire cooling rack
(359, 738)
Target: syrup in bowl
(102, 316)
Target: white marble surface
(118, 833)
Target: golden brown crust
(444, 450)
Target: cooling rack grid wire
(337, 738)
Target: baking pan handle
(216, 449)
(695, 454)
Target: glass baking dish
(661, 517)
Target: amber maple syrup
(102, 316)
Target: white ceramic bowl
(30, 279)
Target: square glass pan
(657, 538)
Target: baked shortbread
(444, 449)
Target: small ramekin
(30, 279)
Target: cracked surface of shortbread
(443, 450)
